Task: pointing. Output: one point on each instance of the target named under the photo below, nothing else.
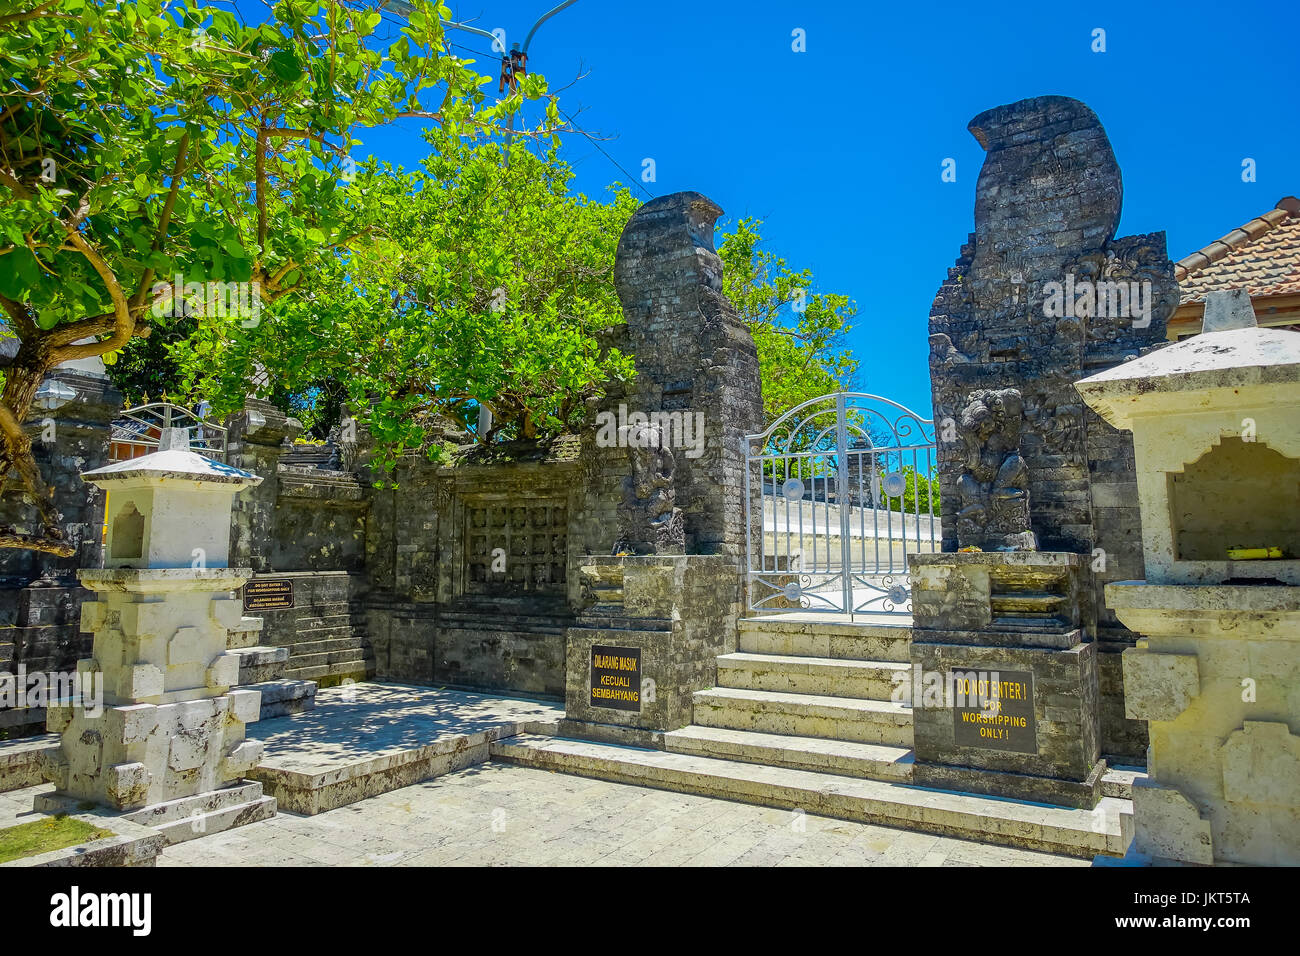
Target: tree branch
(123, 322)
(17, 312)
(164, 221)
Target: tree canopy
(487, 285)
(158, 143)
(166, 168)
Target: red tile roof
(1263, 256)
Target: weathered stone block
(186, 646)
(1169, 826)
(245, 705)
(229, 613)
(223, 672)
(132, 724)
(1261, 765)
(127, 784)
(145, 681)
(241, 759)
(1158, 686)
(185, 752)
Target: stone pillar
(1021, 310)
(652, 620)
(693, 356)
(254, 442)
(1004, 688)
(156, 726)
(671, 614)
(1213, 420)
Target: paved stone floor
(360, 723)
(497, 814)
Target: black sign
(268, 595)
(994, 710)
(616, 677)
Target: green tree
(799, 333)
(488, 286)
(149, 368)
(921, 492)
(154, 139)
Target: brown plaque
(994, 710)
(616, 677)
(269, 594)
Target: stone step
(22, 761)
(805, 715)
(184, 809)
(328, 675)
(840, 640)
(351, 652)
(532, 624)
(331, 633)
(323, 647)
(282, 697)
(192, 817)
(844, 757)
(260, 663)
(813, 675)
(341, 619)
(1118, 781)
(1081, 833)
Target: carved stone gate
(847, 492)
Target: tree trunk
(22, 379)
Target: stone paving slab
(364, 739)
(21, 760)
(1107, 829)
(502, 815)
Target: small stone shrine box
(1216, 429)
(168, 741)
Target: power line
(490, 56)
(596, 143)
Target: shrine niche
(1239, 496)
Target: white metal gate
(848, 488)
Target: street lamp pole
(510, 123)
(401, 8)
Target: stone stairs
(803, 717)
(331, 647)
(262, 668)
(808, 695)
(1081, 833)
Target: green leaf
(19, 273)
(285, 65)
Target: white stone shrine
(167, 747)
(1216, 431)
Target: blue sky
(839, 148)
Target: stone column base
(659, 622)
